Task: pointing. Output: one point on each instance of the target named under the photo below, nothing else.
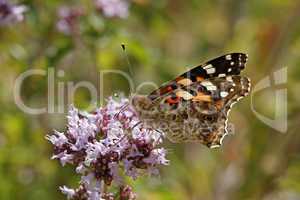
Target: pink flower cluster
(69, 17)
(113, 8)
(10, 14)
(106, 145)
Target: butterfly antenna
(124, 136)
(138, 123)
(127, 60)
(121, 110)
(130, 72)
(161, 135)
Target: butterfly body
(194, 107)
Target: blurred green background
(161, 36)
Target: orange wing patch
(199, 78)
(202, 97)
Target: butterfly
(194, 107)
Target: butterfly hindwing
(200, 110)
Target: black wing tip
(237, 53)
(243, 55)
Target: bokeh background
(162, 37)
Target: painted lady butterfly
(194, 107)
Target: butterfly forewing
(229, 64)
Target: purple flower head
(10, 14)
(68, 19)
(113, 8)
(104, 146)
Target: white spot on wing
(185, 82)
(211, 70)
(208, 66)
(228, 57)
(208, 85)
(222, 75)
(184, 94)
(211, 87)
(223, 94)
(229, 78)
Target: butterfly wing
(195, 105)
(201, 109)
(229, 64)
